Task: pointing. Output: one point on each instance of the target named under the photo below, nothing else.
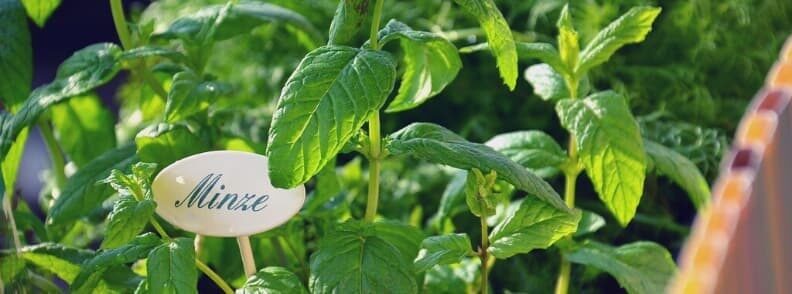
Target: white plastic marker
(224, 194)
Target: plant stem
(58, 163)
(484, 255)
(375, 23)
(9, 212)
(570, 174)
(375, 139)
(119, 20)
(374, 167)
(562, 284)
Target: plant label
(223, 194)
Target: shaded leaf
(16, 54)
(640, 267)
(171, 267)
(445, 249)
(532, 225)
(84, 128)
(81, 194)
(437, 144)
(681, 170)
(589, 223)
(347, 21)
(85, 70)
(164, 144)
(432, 63)
(128, 218)
(221, 22)
(96, 266)
(535, 150)
(361, 257)
(273, 280)
(190, 95)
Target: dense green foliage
(377, 107)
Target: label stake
(247, 255)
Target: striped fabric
(742, 243)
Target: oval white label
(223, 194)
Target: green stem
(9, 212)
(484, 255)
(119, 20)
(374, 167)
(562, 284)
(58, 163)
(375, 139)
(571, 173)
(375, 23)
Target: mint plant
(605, 142)
(326, 129)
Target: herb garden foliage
(383, 229)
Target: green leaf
(84, 128)
(40, 10)
(533, 225)
(16, 61)
(350, 15)
(171, 267)
(164, 144)
(96, 266)
(632, 27)
(589, 223)
(544, 52)
(85, 70)
(221, 22)
(611, 149)
(150, 51)
(127, 219)
(681, 170)
(568, 46)
(10, 267)
(81, 194)
(546, 82)
(499, 36)
(189, 95)
(453, 278)
(327, 99)
(640, 267)
(431, 63)
(535, 150)
(10, 164)
(360, 257)
(445, 249)
(478, 193)
(56, 258)
(65, 262)
(273, 280)
(437, 144)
